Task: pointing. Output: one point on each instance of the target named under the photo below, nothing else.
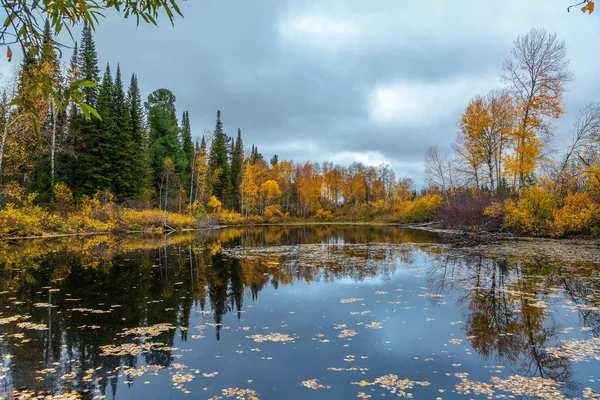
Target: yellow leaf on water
(589, 7)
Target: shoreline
(452, 236)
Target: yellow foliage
(578, 214)
(422, 208)
(227, 217)
(196, 209)
(323, 215)
(494, 210)
(214, 204)
(272, 211)
(533, 213)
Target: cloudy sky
(372, 81)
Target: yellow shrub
(532, 214)
(154, 219)
(578, 214)
(272, 211)
(214, 204)
(196, 209)
(28, 220)
(323, 215)
(63, 196)
(227, 217)
(422, 209)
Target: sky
(342, 81)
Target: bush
(323, 215)
(422, 209)
(466, 208)
(578, 214)
(532, 214)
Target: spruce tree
(164, 133)
(124, 151)
(95, 163)
(237, 163)
(89, 64)
(218, 166)
(140, 168)
(186, 136)
(84, 180)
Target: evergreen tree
(94, 163)
(255, 155)
(164, 132)
(124, 148)
(85, 169)
(274, 160)
(139, 169)
(186, 136)
(218, 166)
(237, 163)
(89, 64)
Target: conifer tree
(94, 163)
(83, 181)
(218, 166)
(89, 64)
(186, 136)
(124, 147)
(237, 163)
(139, 168)
(164, 133)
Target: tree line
(141, 155)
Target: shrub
(578, 214)
(467, 208)
(227, 217)
(532, 214)
(323, 215)
(422, 209)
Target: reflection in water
(84, 292)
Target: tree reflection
(505, 301)
(104, 285)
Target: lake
(297, 312)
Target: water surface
(323, 312)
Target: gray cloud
(341, 80)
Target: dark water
(327, 312)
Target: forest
(135, 165)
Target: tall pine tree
(140, 168)
(218, 166)
(164, 133)
(124, 150)
(85, 169)
(237, 163)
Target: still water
(321, 312)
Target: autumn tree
(249, 188)
(537, 74)
(484, 130)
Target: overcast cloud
(371, 81)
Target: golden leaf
(9, 54)
(589, 7)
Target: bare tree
(585, 147)
(439, 169)
(536, 74)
